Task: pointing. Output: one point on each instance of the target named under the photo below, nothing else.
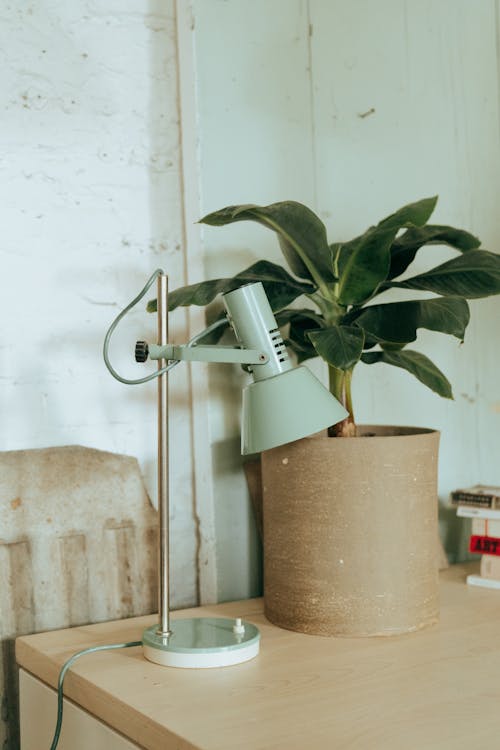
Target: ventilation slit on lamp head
(284, 403)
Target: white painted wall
(91, 197)
(91, 190)
(283, 90)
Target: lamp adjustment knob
(238, 627)
(141, 351)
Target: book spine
(474, 500)
(484, 545)
(490, 567)
(468, 512)
(485, 527)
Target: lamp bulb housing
(284, 403)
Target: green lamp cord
(124, 312)
(62, 675)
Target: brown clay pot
(350, 529)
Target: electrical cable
(62, 675)
(124, 312)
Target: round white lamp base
(201, 642)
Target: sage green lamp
(284, 403)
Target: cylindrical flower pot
(350, 533)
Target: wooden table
(435, 689)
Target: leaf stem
(336, 272)
(336, 382)
(348, 393)
(340, 387)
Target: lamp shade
(286, 407)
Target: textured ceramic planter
(350, 533)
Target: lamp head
(284, 403)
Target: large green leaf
(281, 288)
(340, 346)
(302, 235)
(472, 275)
(413, 214)
(405, 247)
(417, 364)
(398, 322)
(300, 323)
(363, 263)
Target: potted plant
(350, 526)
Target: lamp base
(202, 642)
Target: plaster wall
(353, 108)
(90, 181)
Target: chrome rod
(163, 472)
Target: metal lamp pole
(163, 478)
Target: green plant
(340, 280)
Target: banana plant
(334, 286)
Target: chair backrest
(77, 545)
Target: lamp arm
(227, 354)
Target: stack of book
(482, 504)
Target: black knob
(141, 351)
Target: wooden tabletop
(437, 689)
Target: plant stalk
(340, 387)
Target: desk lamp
(284, 403)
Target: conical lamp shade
(286, 407)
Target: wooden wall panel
(255, 144)
(356, 108)
(406, 106)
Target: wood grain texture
(413, 691)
